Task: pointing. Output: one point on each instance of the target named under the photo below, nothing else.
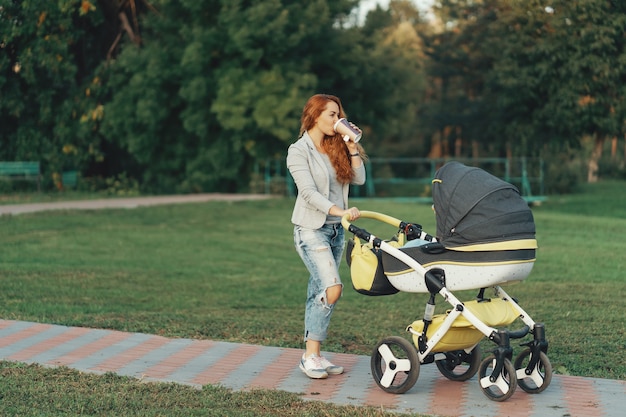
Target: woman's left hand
(353, 213)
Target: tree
(387, 84)
(561, 76)
(598, 67)
(458, 63)
(122, 17)
(198, 91)
(532, 78)
(44, 67)
(200, 101)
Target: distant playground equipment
(485, 240)
(410, 178)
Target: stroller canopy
(473, 206)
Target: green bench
(69, 178)
(21, 170)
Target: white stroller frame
(394, 358)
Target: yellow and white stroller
(485, 239)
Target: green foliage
(562, 77)
(520, 78)
(458, 62)
(225, 89)
(565, 171)
(385, 87)
(45, 73)
(215, 87)
(611, 167)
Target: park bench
(21, 170)
(69, 179)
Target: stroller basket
(463, 335)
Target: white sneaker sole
(338, 370)
(313, 374)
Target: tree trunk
(475, 149)
(458, 143)
(435, 146)
(116, 13)
(624, 159)
(445, 141)
(594, 160)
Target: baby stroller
(485, 240)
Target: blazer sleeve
(359, 175)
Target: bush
(610, 167)
(564, 172)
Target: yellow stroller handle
(404, 227)
(372, 215)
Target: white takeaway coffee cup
(347, 131)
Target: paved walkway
(128, 203)
(242, 366)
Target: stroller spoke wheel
(536, 380)
(498, 387)
(395, 365)
(460, 365)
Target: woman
(323, 166)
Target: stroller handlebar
(372, 215)
(364, 234)
(360, 233)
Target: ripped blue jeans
(321, 251)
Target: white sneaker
(331, 368)
(313, 367)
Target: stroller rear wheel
(453, 367)
(395, 365)
(536, 380)
(497, 387)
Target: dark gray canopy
(473, 206)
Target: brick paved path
(243, 366)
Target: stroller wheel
(455, 368)
(497, 387)
(395, 365)
(536, 380)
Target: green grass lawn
(228, 271)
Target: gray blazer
(313, 182)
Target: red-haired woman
(323, 165)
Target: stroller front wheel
(536, 380)
(395, 365)
(497, 387)
(453, 367)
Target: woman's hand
(349, 142)
(355, 127)
(353, 213)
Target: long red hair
(333, 145)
